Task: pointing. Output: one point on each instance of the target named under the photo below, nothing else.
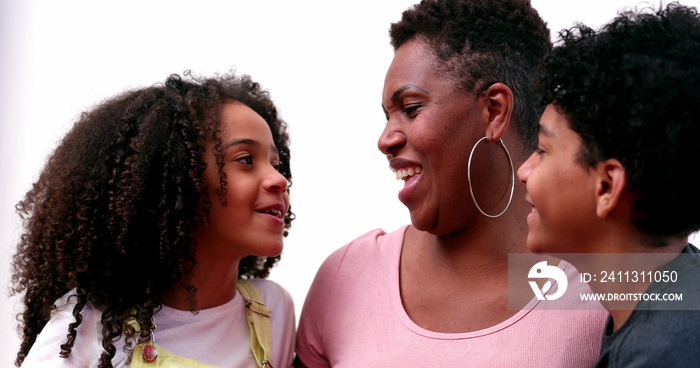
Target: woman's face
(431, 128)
(251, 222)
(560, 190)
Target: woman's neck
(471, 268)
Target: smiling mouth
(275, 213)
(405, 173)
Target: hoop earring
(512, 177)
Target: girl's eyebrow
(248, 141)
(240, 141)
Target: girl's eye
(277, 166)
(539, 151)
(248, 160)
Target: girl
(143, 223)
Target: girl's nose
(275, 181)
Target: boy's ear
(497, 107)
(612, 180)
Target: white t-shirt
(217, 336)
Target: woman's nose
(391, 139)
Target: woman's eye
(411, 111)
(248, 160)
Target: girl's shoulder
(272, 292)
(88, 341)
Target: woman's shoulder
(368, 246)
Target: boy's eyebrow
(544, 131)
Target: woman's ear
(497, 106)
(612, 180)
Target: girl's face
(251, 222)
(431, 127)
(561, 191)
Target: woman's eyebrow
(397, 93)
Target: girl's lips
(276, 223)
(275, 212)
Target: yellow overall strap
(258, 322)
(152, 355)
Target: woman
(145, 221)
(434, 293)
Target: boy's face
(561, 191)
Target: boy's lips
(529, 201)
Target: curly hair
(630, 91)
(482, 42)
(113, 213)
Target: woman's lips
(410, 183)
(408, 171)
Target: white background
(323, 62)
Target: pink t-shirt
(353, 317)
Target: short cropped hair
(482, 42)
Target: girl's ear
(497, 106)
(612, 180)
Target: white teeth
(275, 213)
(403, 174)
